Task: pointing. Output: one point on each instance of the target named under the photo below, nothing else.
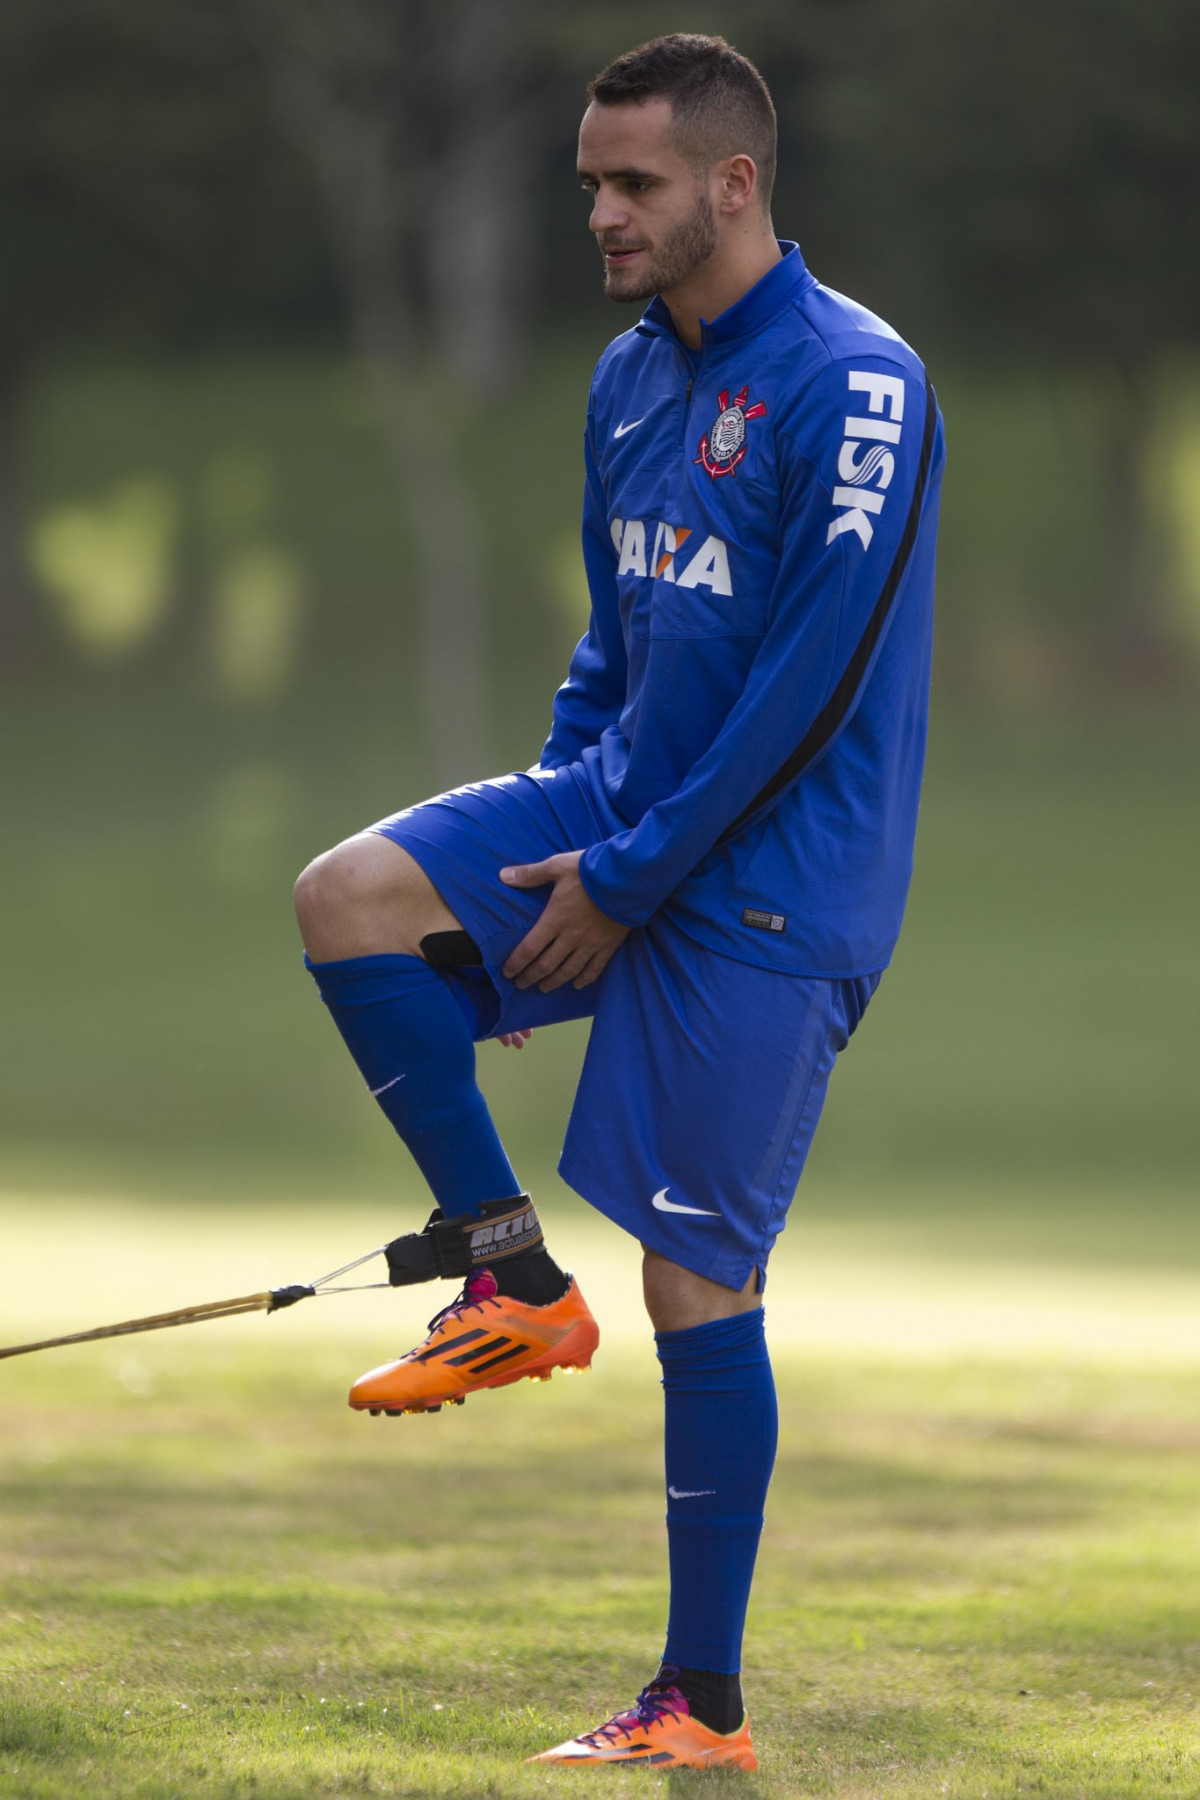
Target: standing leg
(720, 1448)
(703, 1087)
(721, 1427)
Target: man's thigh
(700, 1095)
(462, 839)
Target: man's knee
(366, 896)
(677, 1299)
(338, 881)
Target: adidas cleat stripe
(467, 1337)
(517, 1350)
(512, 1341)
(470, 1356)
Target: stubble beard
(683, 251)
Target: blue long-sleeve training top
(748, 707)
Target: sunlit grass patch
(978, 1577)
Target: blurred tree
(161, 157)
(147, 203)
(1009, 182)
(479, 218)
(413, 119)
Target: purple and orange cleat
(483, 1339)
(660, 1731)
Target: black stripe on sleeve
(829, 719)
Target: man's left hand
(573, 940)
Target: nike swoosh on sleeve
(662, 1204)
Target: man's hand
(573, 940)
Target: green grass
(978, 1577)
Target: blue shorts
(704, 1077)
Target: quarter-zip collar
(756, 308)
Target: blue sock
(413, 1046)
(721, 1431)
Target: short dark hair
(719, 102)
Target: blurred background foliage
(298, 313)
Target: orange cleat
(481, 1340)
(660, 1731)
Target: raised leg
(364, 909)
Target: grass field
(978, 1579)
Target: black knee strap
(456, 1247)
(451, 950)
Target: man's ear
(739, 182)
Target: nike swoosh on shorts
(662, 1204)
(623, 429)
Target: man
(710, 858)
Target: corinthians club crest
(724, 443)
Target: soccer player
(710, 858)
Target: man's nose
(607, 214)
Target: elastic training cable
(272, 1300)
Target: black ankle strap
(456, 1247)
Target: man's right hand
(572, 940)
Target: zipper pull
(687, 398)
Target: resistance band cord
(271, 1300)
(316, 1290)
